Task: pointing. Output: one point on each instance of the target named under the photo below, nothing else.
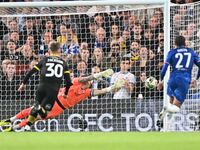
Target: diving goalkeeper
(79, 91)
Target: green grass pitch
(100, 141)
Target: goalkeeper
(79, 91)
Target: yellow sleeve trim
(67, 72)
(37, 68)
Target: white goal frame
(164, 3)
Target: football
(151, 82)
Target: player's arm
(119, 83)
(164, 70)
(35, 69)
(86, 79)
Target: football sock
(173, 108)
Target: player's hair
(180, 41)
(11, 63)
(54, 46)
(125, 59)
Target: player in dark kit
(52, 69)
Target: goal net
(94, 38)
(185, 22)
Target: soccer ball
(151, 82)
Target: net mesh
(101, 36)
(185, 22)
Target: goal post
(49, 18)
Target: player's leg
(56, 110)
(15, 127)
(179, 96)
(170, 92)
(22, 114)
(48, 102)
(40, 95)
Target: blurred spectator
(12, 27)
(160, 42)
(28, 54)
(10, 83)
(98, 59)
(140, 64)
(103, 20)
(47, 38)
(91, 35)
(3, 31)
(114, 57)
(149, 40)
(132, 22)
(81, 69)
(70, 46)
(126, 91)
(62, 38)
(85, 55)
(50, 27)
(98, 84)
(115, 33)
(177, 23)
(11, 53)
(191, 32)
(31, 42)
(14, 36)
(154, 26)
(125, 41)
(101, 41)
(136, 32)
(124, 19)
(4, 64)
(69, 20)
(29, 29)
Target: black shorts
(46, 96)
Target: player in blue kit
(181, 59)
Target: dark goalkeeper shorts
(46, 96)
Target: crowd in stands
(173, 1)
(132, 45)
